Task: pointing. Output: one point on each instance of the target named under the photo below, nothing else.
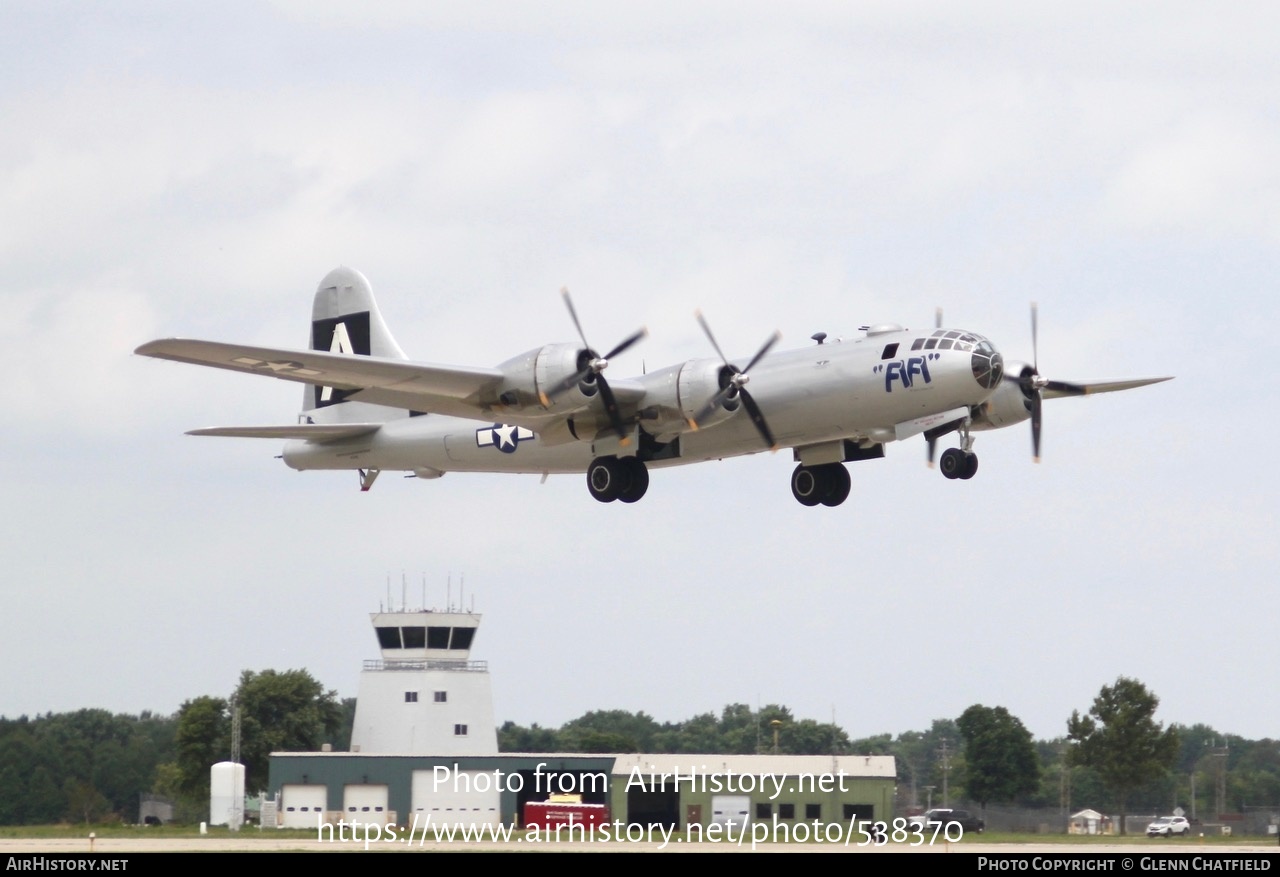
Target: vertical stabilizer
(345, 319)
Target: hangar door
(366, 802)
(463, 797)
(302, 806)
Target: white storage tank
(226, 794)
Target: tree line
(91, 766)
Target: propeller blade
(611, 409)
(593, 368)
(937, 318)
(1035, 351)
(705, 411)
(773, 339)
(735, 385)
(753, 411)
(621, 348)
(1053, 389)
(1035, 426)
(572, 381)
(1064, 388)
(702, 321)
(568, 302)
(933, 448)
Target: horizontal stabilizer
(312, 432)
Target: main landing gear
(624, 478)
(827, 484)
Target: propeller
(933, 440)
(733, 382)
(1033, 386)
(591, 368)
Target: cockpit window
(988, 367)
(917, 344)
(890, 351)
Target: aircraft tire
(970, 466)
(635, 479)
(807, 485)
(952, 463)
(838, 482)
(605, 479)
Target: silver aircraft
(369, 408)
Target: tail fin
(345, 319)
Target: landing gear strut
(827, 484)
(960, 462)
(623, 478)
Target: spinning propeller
(1032, 386)
(591, 366)
(932, 440)
(733, 381)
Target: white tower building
(425, 696)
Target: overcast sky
(195, 169)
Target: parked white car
(1168, 826)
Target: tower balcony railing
(425, 664)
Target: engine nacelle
(1008, 404)
(542, 371)
(675, 394)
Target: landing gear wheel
(838, 482)
(605, 479)
(953, 463)
(827, 484)
(635, 479)
(806, 485)
(970, 466)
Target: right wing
(318, 433)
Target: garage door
(302, 806)
(465, 797)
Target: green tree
(1001, 763)
(1122, 741)
(517, 738)
(203, 738)
(632, 732)
(282, 712)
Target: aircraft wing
(1059, 389)
(458, 390)
(312, 432)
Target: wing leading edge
(457, 390)
(311, 432)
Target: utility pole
(1219, 753)
(946, 774)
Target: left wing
(462, 391)
(459, 391)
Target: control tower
(425, 695)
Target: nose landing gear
(956, 463)
(960, 462)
